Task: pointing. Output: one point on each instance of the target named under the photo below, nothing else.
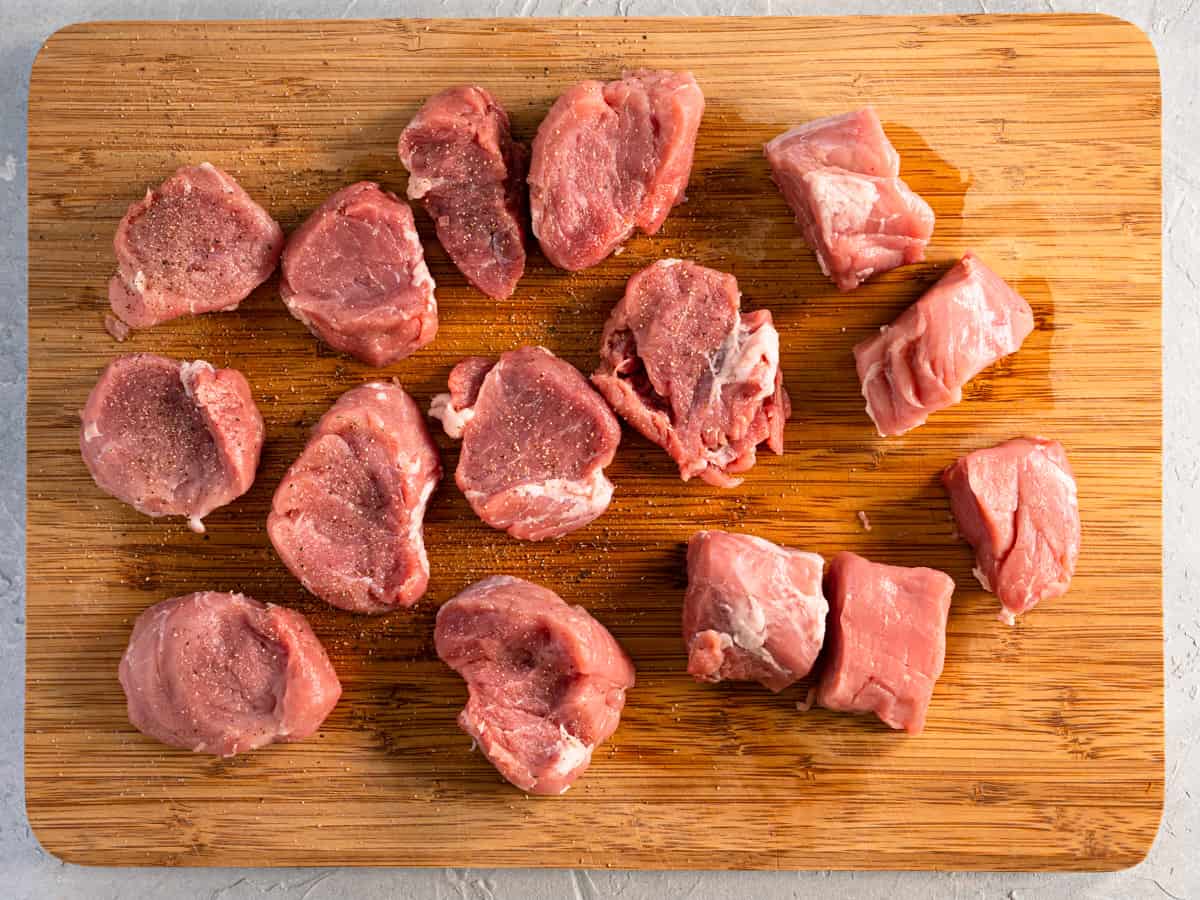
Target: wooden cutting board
(1035, 139)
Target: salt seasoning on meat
(841, 177)
(753, 611)
(196, 244)
(171, 438)
(223, 674)
(536, 439)
(684, 366)
(469, 173)
(546, 681)
(348, 517)
(1017, 505)
(886, 639)
(354, 273)
(611, 158)
(918, 365)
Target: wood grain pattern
(1036, 140)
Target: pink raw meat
(840, 176)
(536, 438)
(753, 611)
(197, 244)
(347, 518)
(354, 273)
(917, 365)
(886, 639)
(546, 681)
(686, 369)
(1017, 505)
(171, 438)
(609, 158)
(470, 174)
(222, 674)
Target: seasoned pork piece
(840, 176)
(683, 366)
(753, 611)
(171, 438)
(1017, 505)
(348, 517)
(470, 174)
(536, 438)
(222, 674)
(918, 365)
(354, 273)
(546, 681)
(196, 244)
(886, 639)
(609, 158)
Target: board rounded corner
(44, 838)
(49, 45)
(1143, 843)
(1138, 36)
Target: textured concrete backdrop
(1170, 871)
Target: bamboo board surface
(1036, 141)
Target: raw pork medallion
(354, 273)
(918, 365)
(681, 364)
(609, 158)
(171, 438)
(1017, 505)
(535, 440)
(196, 244)
(753, 611)
(886, 639)
(469, 173)
(841, 177)
(546, 681)
(222, 673)
(348, 517)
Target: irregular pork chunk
(468, 171)
(609, 158)
(546, 681)
(536, 438)
(197, 244)
(347, 518)
(840, 176)
(1017, 505)
(171, 438)
(753, 611)
(354, 273)
(222, 674)
(686, 369)
(885, 641)
(917, 365)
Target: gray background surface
(1172, 869)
